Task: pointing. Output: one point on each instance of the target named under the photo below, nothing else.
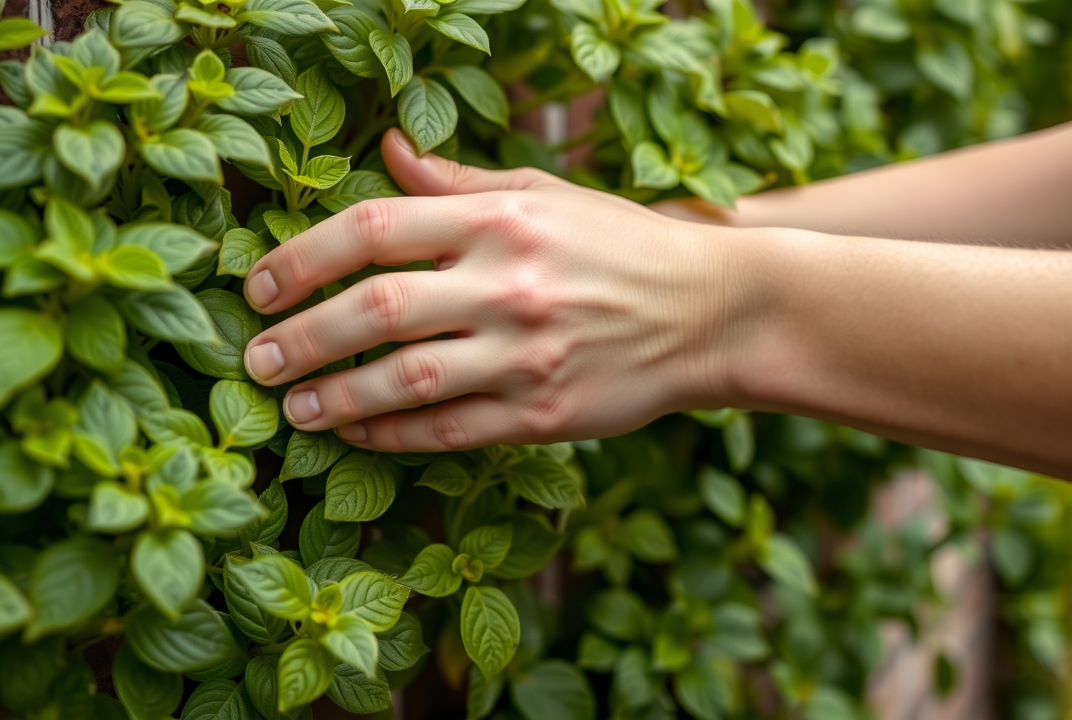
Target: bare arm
(578, 314)
(1015, 192)
(962, 349)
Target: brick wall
(961, 627)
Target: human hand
(574, 313)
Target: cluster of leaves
(164, 527)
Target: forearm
(1013, 192)
(962, 349)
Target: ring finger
(415, 375)
(393, 306)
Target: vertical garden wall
(169, 547)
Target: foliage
(150, 491)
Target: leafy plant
(164, 528)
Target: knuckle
(546, 416)
(447, 432)
(419, 377)
(371, 220)
(523, 295)
(540, 359)
(511, 215)
(305, 340)
(300, 263)
(385, 302)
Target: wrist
(748, 344)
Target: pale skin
(577, 314)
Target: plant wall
(169, 547)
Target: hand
(574, 313)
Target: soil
(68, 16)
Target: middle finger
(398, 306)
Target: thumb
(432, 175)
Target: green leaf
(402, 646)
(17, 238)
(375, 597)
(277, 585)
(432, 572)
(164, 111)
(553, 689)
(267, 54)
(356, 692)
(175, 425)
(22, 154)
(257, 92)
(703, 691)
(106, 426)
(360, 488)
(288, 17)
(620, 614)
(350, 45)
(140, 23)
(260, 626)
(24, 484)
(174, 315)
(146, 693)
(880, 22)
(310, 454)
(241, 250)
(322, 172)
(229, 467)
(184, 154)
(535, 542)
(177, 246)
(652, 168)
(318, 116)
(197, 640)
(245, 414)
(544, 481)
(755, 107)
(321, 538)
(113, 508)
(949, 67)
(626, 101)
(169, 565)
(649, 537)
(489, 544)
(72, 580)
(70, 240)
(487, 7)
(33, 344)
(427, 113)
(783, 559)
(462, 28)
(593, 53)
(481, 696)
(93, 153)
(739, 437)
(352, 641)
(125, 88)
(284, 225)
(723, 495)
(236, 325)
(491, 630)
(95, 334)
(714, 185)
(596, 653)
(14, 608)
(358, 185)
(447, 477)
(29, 670)
(483, 93)
(16, 33)
(394, 53)
(234, 139)
(134, 268)
(306, 669)
(219, 700)
(216, 508)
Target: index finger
(385, 231)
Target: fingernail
(261, 289)
(265, 361)
(302, 407)
(354, 432)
